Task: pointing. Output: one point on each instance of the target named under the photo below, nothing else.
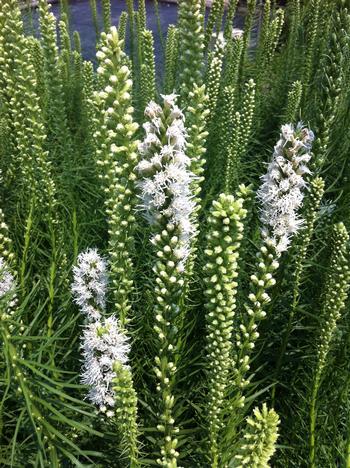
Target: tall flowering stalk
(105, 349)
(117, 157)
(123, 20)
(30, 140)
(269, 45)
(231, 10)
(293, 103)
(214, 21)
(233, 53)
(148, 68)
(333, 303)
(280, 195)
(221, 270)
(248, 25)
(242, 123)
(11, 39)
(171, 58)
(334, 65)
(166, 200)
(214, 74)
(300, 250)
(191, 52)
(196, 123)
(311, 43)
(55, 111)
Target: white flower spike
(165, 178)
(90, 283)
(281, 194)
(103, 345)
(7, 281)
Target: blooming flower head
(90, 283)
(103, 345)
(7, 281)
(165, 178)
(281, 194)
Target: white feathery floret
(103, 344)
(281, 194)
(7, 281)
(165, 177)
(90, 283)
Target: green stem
(27, 237)
(286, 337)
(312, 419)
(51, 291)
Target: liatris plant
(210, 326)
(165, 187)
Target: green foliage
(221, 326)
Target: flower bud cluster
(214, 21)
(312, 205)
(336, 291)
(171, 57)
(293, 103)
(148, 68)
(242, 123)
(125, 408)
(191, 24)
(214, 75)
(247, 334)
(258, 443)
(221, 270)
(196, 124)
(56, 116)
(22, 114)
(281, 194)
(116, 147)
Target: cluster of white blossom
(103, 345)
(7, 281)
(90, 283)
(165, 177)
(281, 194)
